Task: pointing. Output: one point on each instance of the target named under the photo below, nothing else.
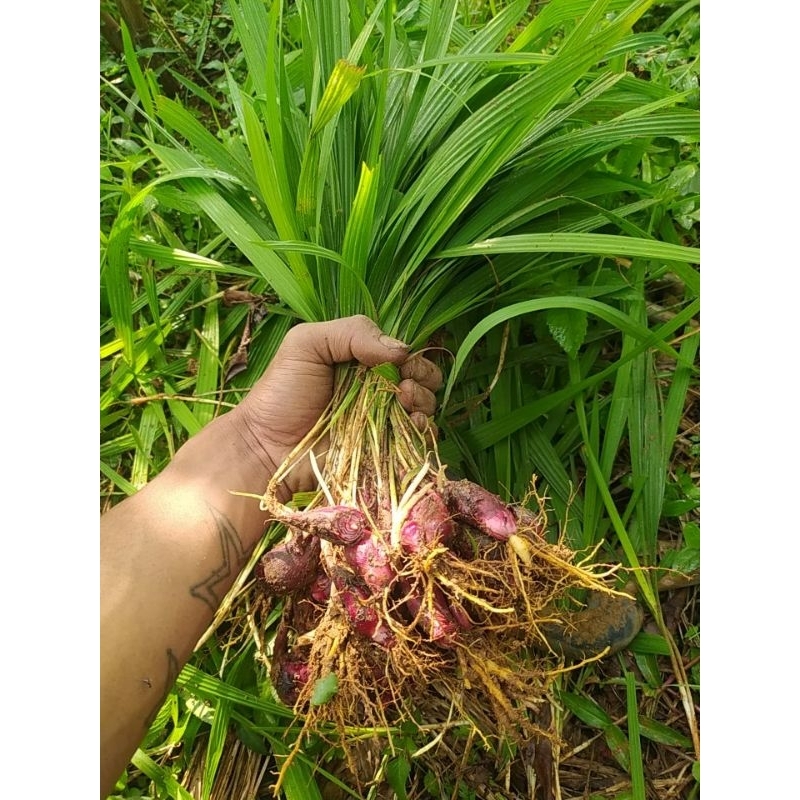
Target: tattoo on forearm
(233, 555)
(173, 668)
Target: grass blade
(634, 741)
(358, 239)
(160, 776)
(298, 779)
(145, 436)
(208, 362)
(216, 745)
(135, 71)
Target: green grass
(520, 192)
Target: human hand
(296, 388)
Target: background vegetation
(569, 357)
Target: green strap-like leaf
(342, 85)
(602, 310)
(208, 687)
(208, 361)
(634, 740)
(597, 243)
(358, 240)
(161, 776)
(139, 82)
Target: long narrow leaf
(160, 776)
(634, 741)
(137, 76)
(490, 432)
(216, 745)
(598, 243)
(605, 312)
(208, 362)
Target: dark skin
(170, 552)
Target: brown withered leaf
(237, 364)
(233, 296)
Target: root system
(408, 597)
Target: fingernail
(392, 344)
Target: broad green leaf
(568, 328)
(691, 535)
(586, 710)
(647, 643)
(252, 27)
(649, 668)
(388, 371)
(271, 181)
(397, 771)
(309, 185)
(660, 733)
(324, 689)
(685, 560)
(619, 746)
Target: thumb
(343, 340)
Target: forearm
(168, 556)
(170, 553)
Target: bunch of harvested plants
(391, 160)
(407, 594)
